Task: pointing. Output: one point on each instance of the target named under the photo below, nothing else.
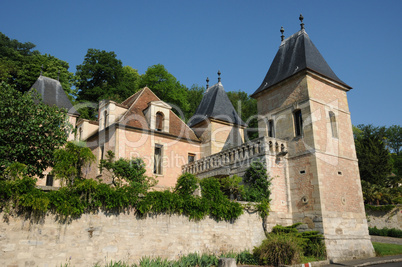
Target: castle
(305, 141)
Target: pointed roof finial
(219, 76)
(301, 20)
(41, 70)
(207, 82)
(58, 75)
(282, 31)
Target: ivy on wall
(87, 195)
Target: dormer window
(159, 121)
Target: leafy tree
(374, 158)
(394, 138)
(70, 160)
(166, 87)
(231, 187)
(15, 171)
(131, 171)
(29, 132)
(246, 107)
(99, 73)
(186, 184)
(194, 97)
(20, 65)
(102, 76)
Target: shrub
(220, 207)
(186, 184)
(279, 249)
(310, 241)
(231, 187)
(70, 160)
(393, 232)
(245, 257)
(384, 208)
(131, 171)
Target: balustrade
(233, 155)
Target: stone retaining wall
(382, 219)
(100, 238)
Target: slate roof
(216, 104)
(296, 54)
(52, 93)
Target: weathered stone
(165, 236)
(227, 262)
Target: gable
(135, 116)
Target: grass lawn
(382, 249)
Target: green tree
(374, 158)
(131, 171)
(70, 160)
(166, 87)
(99, 72)
(29, 132)
(127, 85)
(394, 138)
(246, 107)
(102, 76)
(20, 65)
(231, 186)
(194, 97)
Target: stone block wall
(101, 238)
(382, 219)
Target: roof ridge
(129, 107)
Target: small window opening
(191, 157)
(49, 180)
(105, 119)
(101, 155)
(80, 134)
(332, 119)
(302, 172)
(271, 129)
(159, 121)
(339, 173)
(298, 122)
(158, 160)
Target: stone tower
(301, 100)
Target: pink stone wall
(175, 151)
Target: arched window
(159, 121)
(332, 120)
(298, 122)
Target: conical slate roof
(53, 94)
(296, 54)
(216, 104)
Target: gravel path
(386, 239)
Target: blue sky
(360, 40)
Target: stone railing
(252, 149)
